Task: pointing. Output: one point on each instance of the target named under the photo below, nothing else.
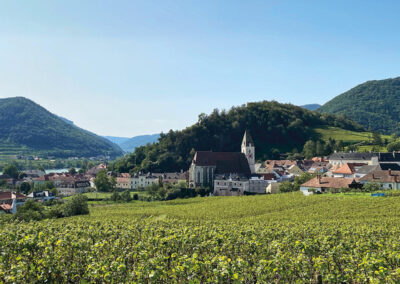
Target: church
(229, 173)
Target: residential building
(386, 179)
(123, 181)
(141, 181)
(9, 201)
(347, 170)
(230, 185)
(42, 196)
(322, 184)
(273, 188)
(344, 158)
(173, 178)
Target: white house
(142, 181)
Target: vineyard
(276, 238)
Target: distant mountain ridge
(311, 106)
(373, 104)
(117, 140)
(130, 144)
(27, 125)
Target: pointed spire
(247, 140)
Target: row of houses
(10, 201)
(142, 180)
(354, 170)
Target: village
(224, 174)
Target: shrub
(126, 196)
(30, 210)
(76, 205)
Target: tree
(377, 139)
(76, 205)
(115, 196)
(352, 148)
(394, 146)
(11, 170)
(303, 178)
(126, 196)
(309, 149)
(104, 183)
(286, 186)
(371, 187)
(30, 210)
(72, 171)
(25, 187)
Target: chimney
(373, 176)
(390, 172)
(319, 178)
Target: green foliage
(371, 187)
(25, 187)
(394, 146)
(126, 196)
(170, 192)
(377, 139)
(276, 128)
(286, 186)
(303, 178)
(76, 205)
(72, 171)
(29, 128)
(374, 104)
(321, 147)
(30, 211)
(104, 183)
(11, 170)
(285, 238)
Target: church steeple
(249, 150)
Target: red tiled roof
(5, 207)
(348, 168)
(7, 195)
(328, 182)
(382, 176)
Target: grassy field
(271, 238)
(346, 136)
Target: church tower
(249, 150)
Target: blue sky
(126, 68)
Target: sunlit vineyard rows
(276, 238)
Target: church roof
(225, 162)
(247, 139)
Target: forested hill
(374, 104)
(276, 128)
(26, 124)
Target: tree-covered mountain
(373, 104)
(311, 106)
(26, 124)
(276, 128)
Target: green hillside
(347, 136)
(28, 128)
(276, 128)
(374, 104)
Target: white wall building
(141, 181)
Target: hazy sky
(127, 68)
